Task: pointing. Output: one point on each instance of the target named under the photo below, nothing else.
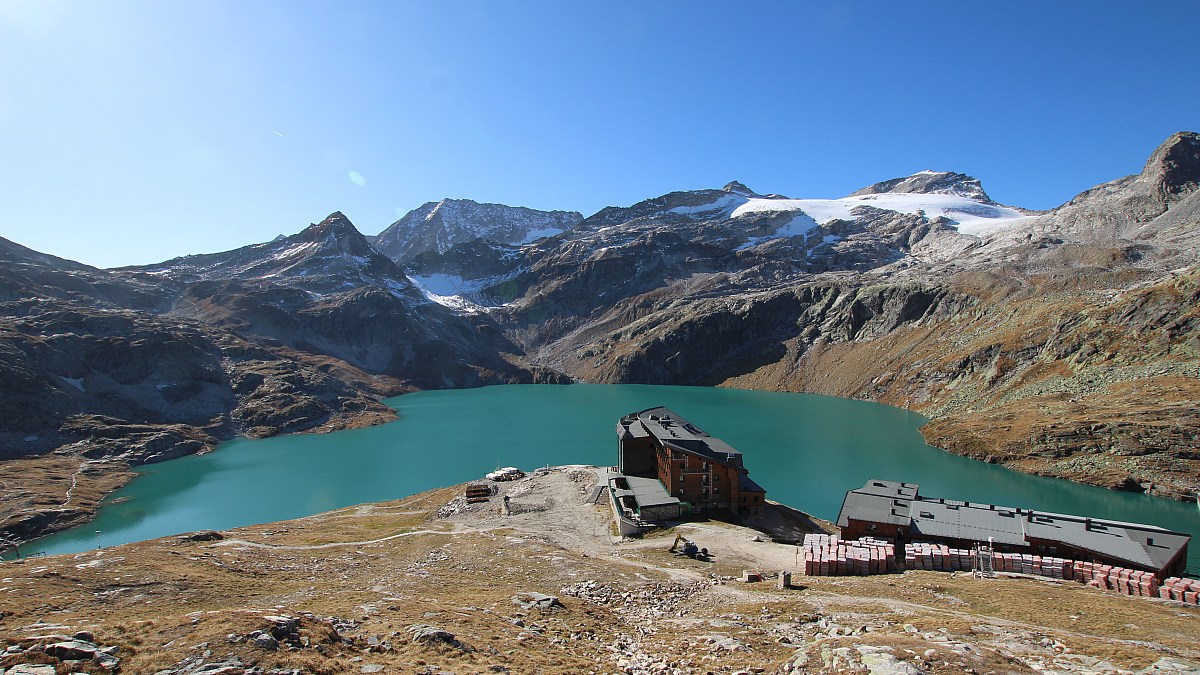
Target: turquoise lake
(805, 450)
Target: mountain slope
(119, 368)
(1054, 348)
(326, 257)
(437, 226)
(1156, 210)
(1063, 342)
(26, 274)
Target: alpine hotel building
(692, 466)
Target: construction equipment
(982, 567)
(683, 547)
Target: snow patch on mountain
(967, 215)
(454, 291)
(800, 225)
(722, 206)
(74, 382)
(534, 235)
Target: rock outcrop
(931, 182)
(437, 226)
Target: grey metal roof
(626, 428)
(898, 503)
(1144, 545)
(677, 433)
(646, 491)
(1141, 545)
(879, 501)
(747, 484)
(958, 520)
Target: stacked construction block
(827, 555)
(1024, 563)
(1183, 590)
(925, 556)
(1119, 579)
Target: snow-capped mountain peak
(437, 226)
(931, 182)
(738, 188)
(967, 214)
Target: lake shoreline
(397, 403)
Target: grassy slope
(163, 602)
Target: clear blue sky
(132, 132)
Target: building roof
(747, 484)
(677, 433)
(962, 520)
(646, 491)
(879, 501)
(1144, 545)
(898, 503)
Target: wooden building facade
(693, 466)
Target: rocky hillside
(111, 369)
(436, 226)
(1062, 342)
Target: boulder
(203, 535)
(265, 641)
(72, 650)
(532, 600)
(430, 635)
(30, 669)
(107, 661)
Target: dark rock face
(711, 340)
(475, 259)
(146, 388)
(1175, 165)
(931, 182)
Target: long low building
(895, 510)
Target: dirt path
(553, 502)
(340, 544)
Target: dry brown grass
(166, 600)
(33, 484)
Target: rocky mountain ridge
(931, 182)
(1086, 310)
(436, 226)
(1062, 342)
